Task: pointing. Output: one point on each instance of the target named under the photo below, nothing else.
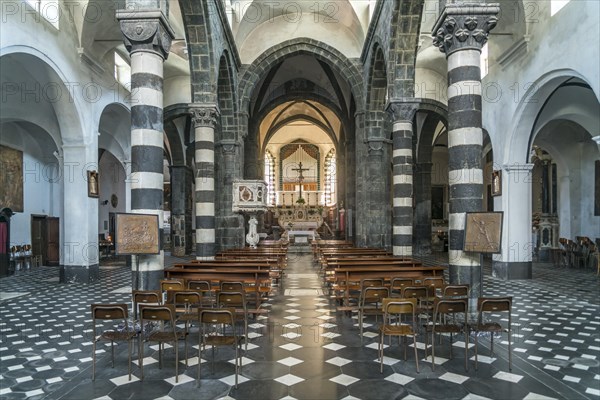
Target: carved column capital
(402, 110)
(147, 31)
(464, 26)
(206, 115)
(228, 147)
(376, 145)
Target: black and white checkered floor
(303, 349)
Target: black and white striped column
(205, 119)
(147, 36)
(402, 113)
(460, 32)
(402, 161)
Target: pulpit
(250, 197)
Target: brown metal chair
(111, 312)
(166, 331)
(237, 302)
(493, 305)
(450, 291)
(187, 305)
(369, 303)
(205, 289)
(393, 310)
(442, 309)
(217, 328)
(398, 284)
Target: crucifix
(300, 176)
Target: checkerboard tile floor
(303, 349)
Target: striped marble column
(402, 113)
(205, 119)
(460, 32)
(147, 36)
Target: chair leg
(450, 345)
(141, 354)
(432, 350)
(129, 356)
(416, 355)
(466, 350)
(176, 344)
(491, 344)
(476, 345)
(509, 353)
(112, 353)
(380, 351)
(94, 359)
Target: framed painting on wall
(11, 179)
(92, 180)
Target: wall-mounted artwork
(496, 183)
(483, 232)
(92, 179)
(11, 179)
(137, 234)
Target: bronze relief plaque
(137, 234)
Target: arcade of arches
(398, 122)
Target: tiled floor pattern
(303, 349)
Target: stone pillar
(377, 213)
(78, 228)
(402, 161)
(514, 261)
(229, 225)
(205, 118)
(460, 32)
(422, 224)
(147, 36)
(181, 211)
(355, 183)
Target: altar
(300, 217)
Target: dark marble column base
(147, 280)
(512, 270)
(79, 273)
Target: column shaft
(402, 160)
(205, 120)
(460, 32)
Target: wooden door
(52, 241)
(38, 237)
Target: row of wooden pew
(344, 267)
(259, 269)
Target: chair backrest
(435, 281)
(232, 286)
(217, 316)
(371, 282)
(109, 312)
(450, 306)
(399, 283)
(163, 312)
(202, 286)
(145, 297)
(456, 291)
(416, 292)
(171, 284)
(396, 306)
(186, 297)
(231, 299)
(494, 304)
(373, 294)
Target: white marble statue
(252, 237)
